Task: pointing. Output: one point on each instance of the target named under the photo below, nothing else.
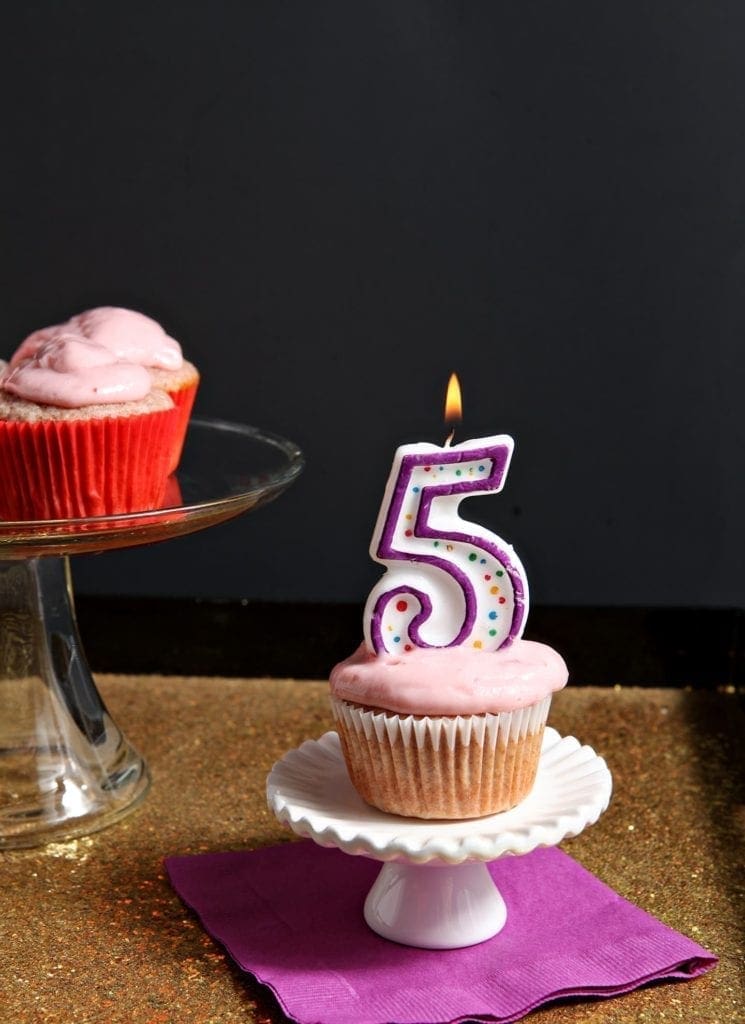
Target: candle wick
(449, 438)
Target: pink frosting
(71, 372)
(132, 337)
(451, 680)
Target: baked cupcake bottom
(181, 386)
(183, 399)
(77, 468)
(441, 767)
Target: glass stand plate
(226, 469)
(66, 769)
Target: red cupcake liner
(76, 468)
(183, 399)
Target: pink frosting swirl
(70, 372)
(451, 680)
(130, 336)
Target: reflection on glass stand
(66, 769)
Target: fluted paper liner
(462, 766)
(75, 468)
(183, 399)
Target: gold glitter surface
(91, 930)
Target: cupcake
(446, 732)
(81, 434)
(134, 338)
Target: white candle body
(448, 581)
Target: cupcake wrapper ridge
(441, 767)
(77, 468)
(183, 399)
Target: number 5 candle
(448, 582)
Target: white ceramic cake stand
(434, 889)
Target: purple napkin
(291, 915)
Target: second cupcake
(81, 434)
(445, 732)
(131, 337)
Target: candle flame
(453, 401)
(453, 404)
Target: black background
(334, 204)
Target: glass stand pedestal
(65, 766)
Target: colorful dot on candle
(458, 472)
(408, 647)
(487, 576)
(415, 490)
(493, 590)
(397, 639)
(481, 469)
(482, 562)
(500, 572)
(492, 632)
(408, 533)
(492, 615)
(441, 468)
(477, 644)
(401, 606)
(502, 600)
(409, 516)
(472, 557)
(437, 544)
(427, 469)
(449, 547)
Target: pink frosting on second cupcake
(451, 680)
(70, 372)
(130, 336)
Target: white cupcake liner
(486, 729)
(441, 766)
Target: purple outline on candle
(498, 456)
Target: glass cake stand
(66, 769)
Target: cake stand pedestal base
(436, 905)
(66, 768)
